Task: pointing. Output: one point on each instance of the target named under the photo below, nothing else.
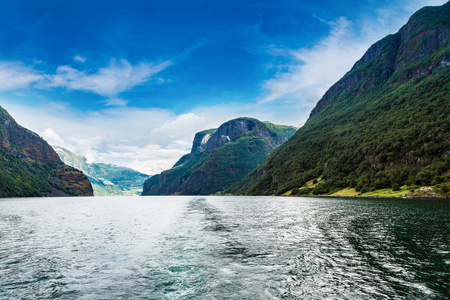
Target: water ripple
(224, 248)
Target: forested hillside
(384, 125)
(29, 167)
(220, 157)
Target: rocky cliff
(220, 157)
(243, 127)
(30, 167)
(20, 142)
(201, 140)
(384, 125)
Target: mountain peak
(220, 157)
(397, 57)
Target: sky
(131, 82)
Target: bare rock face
(201, 139)
(30, 167)
(231, 129)
(240, 127)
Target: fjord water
(224, 248)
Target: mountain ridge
(385, 124)
(30, 168)
(394, 52)
(220, 157)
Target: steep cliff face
(220, 157)
(30, 167)
(243, 127)
(397, 57)
(385, 124)
(201, 139)
(20, 142)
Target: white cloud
(15, 75)
(315, 69)
(52, 137)
(150, 158)
(146, 139)
(109, 81)
(79, 58)
(177, 130)
(119, 76)
(115, 102)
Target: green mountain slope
(30, 168)
(220, 157)
(106, 179)
(385, 124)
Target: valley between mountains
(382, 130)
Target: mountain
(29, 167)
(220, 157)
(384, 125)
(106, 179)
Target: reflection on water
(224, 248)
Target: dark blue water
(224, 248)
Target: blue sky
(130, 82)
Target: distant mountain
(220, 157)
(384, 125)
(29, 167)
(106, 179)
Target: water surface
(224, 248)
